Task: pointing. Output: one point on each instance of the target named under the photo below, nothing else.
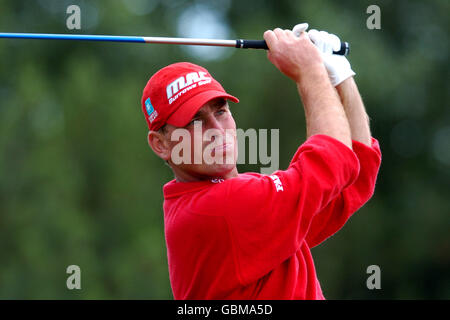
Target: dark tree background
(79, 185)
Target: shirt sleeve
(268, 216)
(333, 217)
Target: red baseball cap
(175, 93)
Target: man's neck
(188, 177)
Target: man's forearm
(324, 112)
(355, 111)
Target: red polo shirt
(249, 237)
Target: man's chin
(224, 171)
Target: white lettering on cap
(184, 82)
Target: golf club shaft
(240, 43)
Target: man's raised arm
(341, 77)
(355, 111)
(300, 60)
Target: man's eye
(221, 111)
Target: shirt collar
(173, 188)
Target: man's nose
(215, 129)
(213, 123)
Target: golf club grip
(251, 44)
(261, 44)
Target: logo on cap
(185, 83)
(152, 113)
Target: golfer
(233, 235)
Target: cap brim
(184, 114)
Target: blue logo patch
(149, 107)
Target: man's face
(207, 146)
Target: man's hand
(337, 66)
(293, 56)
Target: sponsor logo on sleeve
(276, 180)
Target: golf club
(239, 43)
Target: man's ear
(159, 144)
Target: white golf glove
(299, 28)
(337, 66)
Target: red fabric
(249, 237)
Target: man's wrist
(347, 84)
(314, 75)
(313, 72)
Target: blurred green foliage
(79, 185)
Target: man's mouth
(223, 148)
